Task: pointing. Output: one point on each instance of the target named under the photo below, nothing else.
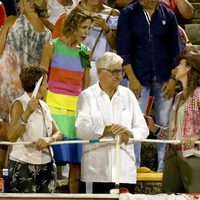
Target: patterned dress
(64, 86)
(23, 45)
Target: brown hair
(193, 61)
(73, 21)
(30, 75)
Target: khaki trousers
(181, 175)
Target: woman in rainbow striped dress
(67, 60)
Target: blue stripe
(67, 63)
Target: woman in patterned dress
(22, 40)
(68, 76)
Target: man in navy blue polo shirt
(148, 41)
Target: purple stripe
(68, 63)
(63, 88)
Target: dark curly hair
(30, 75)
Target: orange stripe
(66, 76)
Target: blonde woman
(68, 76)
(22, 40)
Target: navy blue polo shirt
(150, 46)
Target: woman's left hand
(100, 22)
(42, 143)
(190, 140)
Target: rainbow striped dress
(64, 86)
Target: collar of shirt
(146, 13)
(99, 91)
(26, 96)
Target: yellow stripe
(60, 111)
(61, 101)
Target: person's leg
(102, 188)
(171, 182)
(74, 177)
(46, 178)
(161, 113)
(21, 177)
(143, 104)
(190, 172)
(129, 186)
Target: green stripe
(94, 141)
(62, 49)
(66, 125)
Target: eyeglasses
(114, 72)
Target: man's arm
(124, 49)
(134, 84)
(175, 49)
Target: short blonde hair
(108, 59)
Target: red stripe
(66, 76)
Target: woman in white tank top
(31, 166)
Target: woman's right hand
(150, 123)
(33, 105)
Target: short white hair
(108, 59)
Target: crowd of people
(85, 70)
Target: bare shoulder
(16, 109)
(17, 106)
(115, 12)
(108, 9)
(10, 20)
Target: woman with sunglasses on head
(182, 161)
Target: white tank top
(38, 126)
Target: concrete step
(193, 33)
(194, 1)
(191, 47)
(196, 10)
